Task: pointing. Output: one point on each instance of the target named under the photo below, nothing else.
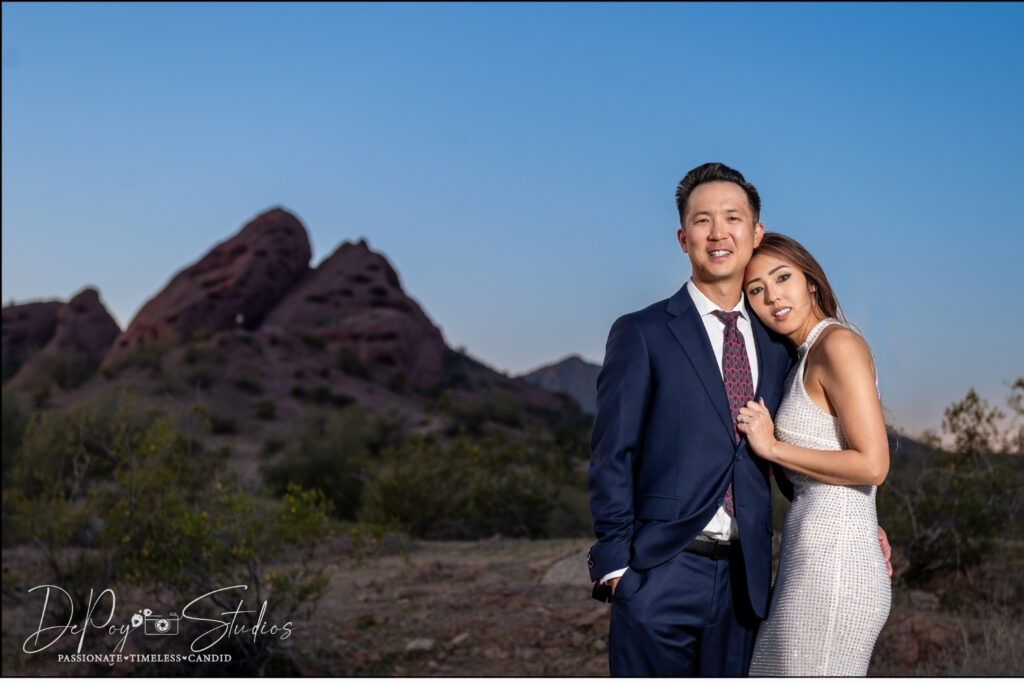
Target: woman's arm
(842, 365)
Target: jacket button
(590, 563)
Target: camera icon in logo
(157, 625)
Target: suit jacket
(663, 450)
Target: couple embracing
(749, 371)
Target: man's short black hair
(707, 173)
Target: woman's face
(781, 296)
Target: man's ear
(681, 236)
(758, 234)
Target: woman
(832, 593)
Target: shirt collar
(706, 306)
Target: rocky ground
(507, 607)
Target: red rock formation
(354, 295)
(238, 281)
(26, 329)
(83, 326)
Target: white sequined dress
(832, 593)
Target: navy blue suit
(663, 454)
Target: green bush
(111, 495)
(272, 445)
(467, 488)
(314, 342)
(15, 420)
(945, 509)
(349, 363)
(266, 409)
(334, 453)
(249, 382)
(493, 406)
(68, 369)
(223, 424)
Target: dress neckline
(815, 332)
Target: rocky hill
(572, 376)
(35, 335)
(257, 336)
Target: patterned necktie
(739, 386)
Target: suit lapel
(689, 331)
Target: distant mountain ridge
(572, 376)
(254, 334)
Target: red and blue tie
(739, 386)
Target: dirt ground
(497, 607)
(509, 607)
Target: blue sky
(517, 162)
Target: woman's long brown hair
(789, 249)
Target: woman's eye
(783, 277)
(755, 291)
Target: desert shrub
(223, 424)
(334, 453)
(466, 488)
(494, 406)
(39, 389)
(272, 445)
(314, 342)
(397, 383)
(72, 470)
(266, 409)
(320, 394)
(349, 363)
(12, 429)
(249, 382)
(947, 508)
(201, 376)
(191, 354)
(111, 495)
(149, 357)
(68, 369)
(455, 370)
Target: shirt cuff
(613, 575)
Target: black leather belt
(718, 550)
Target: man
(681, 507)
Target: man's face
(719, 234)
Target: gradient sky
(517, 162)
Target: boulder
(354, 296)
(235, 284)
(26, 328)
(570, 570)
(84, 327)
(915, 638)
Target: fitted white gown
(832, 593)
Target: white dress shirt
(723, 525)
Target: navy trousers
(689, 616)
